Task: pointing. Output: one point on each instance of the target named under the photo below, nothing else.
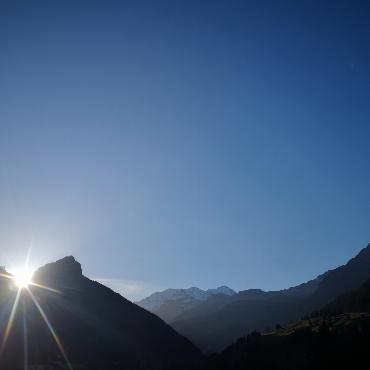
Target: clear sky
(185, 143)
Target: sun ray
(7, 276)
(28, 256)
(22, 276)
(30, 282)
(51, 329)
(25, 335)
(45, 287)
(10, 322)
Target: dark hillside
(97, 327)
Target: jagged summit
(65, 269)
(170, 303)
(190, 294)
(98, 328)
(222, 290)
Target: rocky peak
(222, 290)
(64, 269)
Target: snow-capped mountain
(169, 303)
(221, 290)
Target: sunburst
(22, 279)
(22, 276)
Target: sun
(22, 277)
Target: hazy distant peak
(222, 290)
(189, 295)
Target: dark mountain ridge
(336, 337)
(97, 327)
(214, 324)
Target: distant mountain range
(170, 303)
(98, 328)
(217, 320)
(321, 324)
(334, 338)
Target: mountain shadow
(98, 328)
(336, 337)
(216, 322)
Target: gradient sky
(185, 143)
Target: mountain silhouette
(98, 328)
(216, 322)
(67, 319)
(334, 338)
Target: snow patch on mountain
(189, 295)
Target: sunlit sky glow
(185, 143)
(22, 276)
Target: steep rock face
(65, 270)
(97, 327)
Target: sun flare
(22, 277)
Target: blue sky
(185, 143)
